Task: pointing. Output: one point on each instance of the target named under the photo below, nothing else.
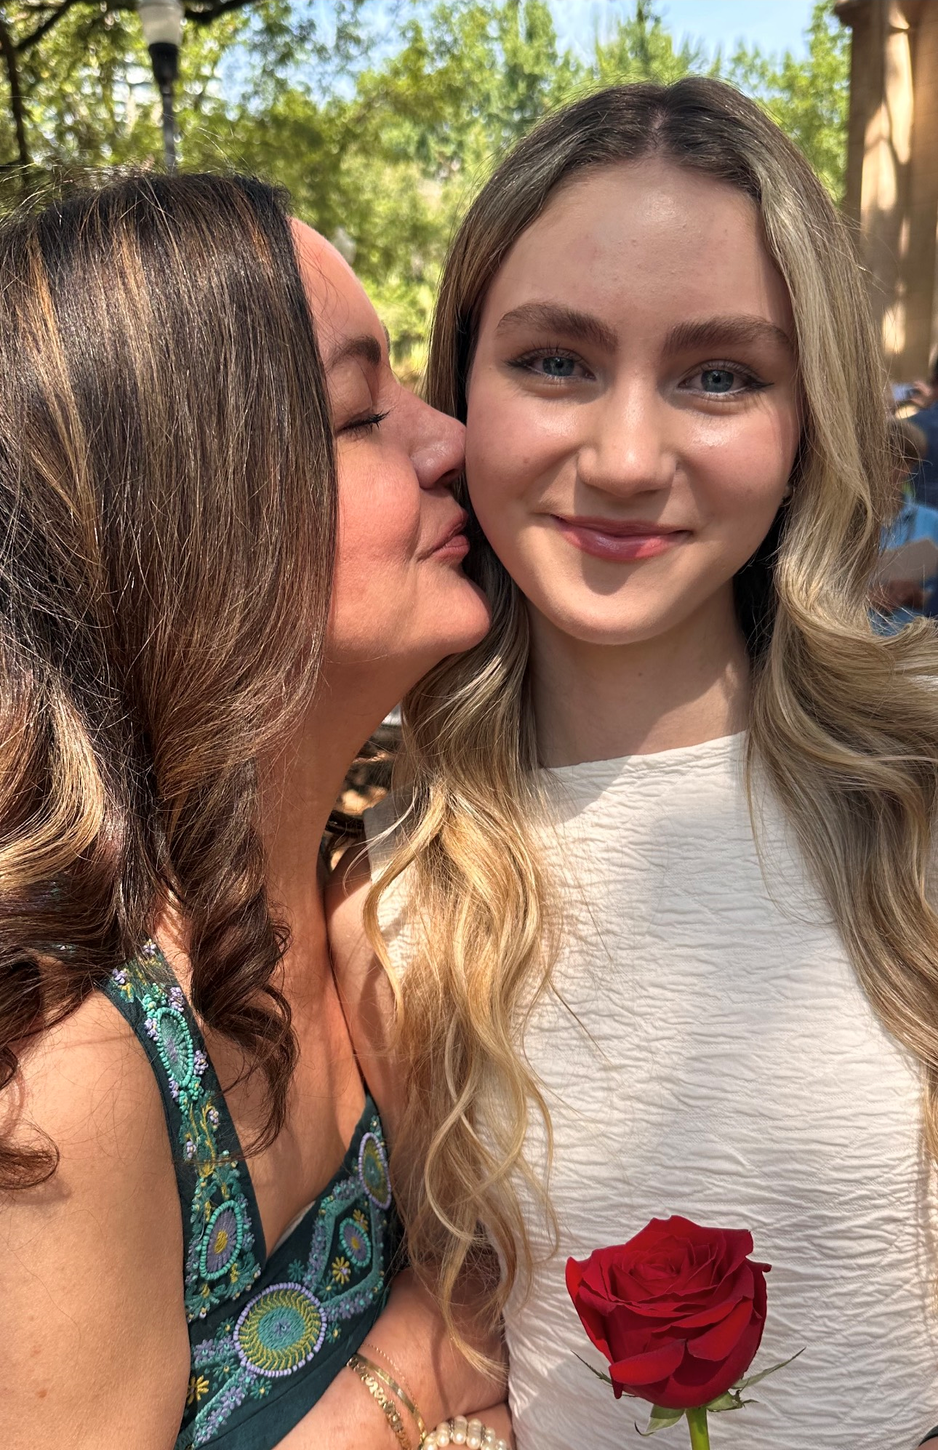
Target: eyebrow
(365, 347)
(739, 329)
(551, 317)
(569, 322)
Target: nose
(627, 448)
(437, 444)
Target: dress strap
(220, 1218)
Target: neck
(598, 701)
(299, 787)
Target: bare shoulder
(363, 983)
(96, 1349)
(346, 890)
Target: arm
(435, 1373)
(95, 1352)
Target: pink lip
(617, 540)
(453, 544)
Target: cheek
(507, 447)
(378, 524)
(742, 472)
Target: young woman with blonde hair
(228, 541)
(658, 906)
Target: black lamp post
(162, 30)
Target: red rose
(678, 1311)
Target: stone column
(892, 169)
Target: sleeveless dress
(708, 1051)
(268, 1332)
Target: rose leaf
(729, 1401)
(755, 1378)
(735, 1403)
(597, 1372)
(660, 1420)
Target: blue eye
(557, 366)
(552, 364)
(717, 380)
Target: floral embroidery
(198, 1386)
(373, 1168)
(286, 1325)
(220, 1262)
(355, 1240)
(279, 1330)
(249, 1337)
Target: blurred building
(892, 169)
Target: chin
(622, 628)
(465, 623)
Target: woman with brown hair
(665, 873)
(228, 545)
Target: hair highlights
(168, 504)
(844, 722)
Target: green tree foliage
(808, 98)
(382, 117)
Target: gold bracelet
(388, 1408)
(376, 1349)
(381, 1374)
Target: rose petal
(644, 1369)
(574, 1276)
(718, 1341)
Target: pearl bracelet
(460, 1431)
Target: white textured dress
(709, 1052)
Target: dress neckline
(720, 745)
(153, 952)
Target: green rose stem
(699, 1434)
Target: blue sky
(772, 24)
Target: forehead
(645, 238)
(339, 303)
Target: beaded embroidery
(254, 1328)
(220, 1262)
(285, 1325)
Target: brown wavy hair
(844, 722)
(167, 524)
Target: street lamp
(162, 30)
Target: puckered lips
(451, 543)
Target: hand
(923, 394)
(898, 594)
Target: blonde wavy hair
(843, 721)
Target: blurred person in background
(898, 600)
(923, 396)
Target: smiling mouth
(619, 541)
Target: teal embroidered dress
(268, 1334)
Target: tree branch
(46, 25)
(205, 14)
(197, 14)
(17, 109)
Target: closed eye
(362, 425)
